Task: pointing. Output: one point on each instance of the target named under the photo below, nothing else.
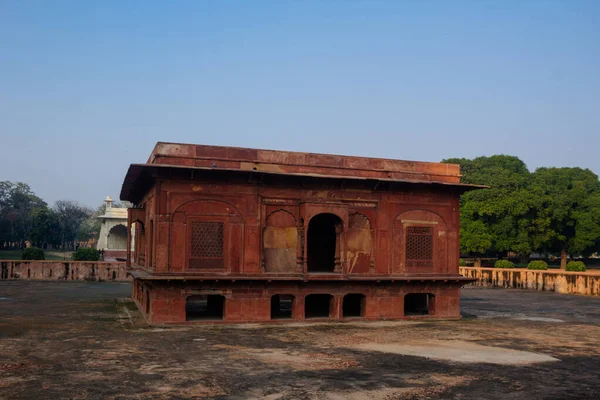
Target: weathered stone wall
(165, 302)
(63, 270)
(586, 283)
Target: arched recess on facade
(206, 235)
(325, 243)
(140, 242)
(117, 238)
(280, 242)
(359, 244)
(419, 242)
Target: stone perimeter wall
(585, 283)
(63, 270)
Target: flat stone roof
(245, 159)
(205, 159)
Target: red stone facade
(244, 235)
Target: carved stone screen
(207, 245)
(419, 246)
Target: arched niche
(207, 207)
(117, 238)
(206, 235)
(359, 243)
(419, 242)
(280, 242)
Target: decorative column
(338, 248)
(300, 250)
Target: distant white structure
(113, 231)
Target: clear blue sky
(88, 87)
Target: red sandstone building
(246, 235)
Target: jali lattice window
(419, 246)
(207, 245)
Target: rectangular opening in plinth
(204, 307)
(282, 306)
(353, 305)
(317, 306)
(418, 303)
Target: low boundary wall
(63, 270)
(561, 281)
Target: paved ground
(76, 340)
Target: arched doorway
(323, 243)
(117, 238)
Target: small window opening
(418, 303)
(317, 306)
(203, 307)
(353, 305)
(282, 306)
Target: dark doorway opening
(203, 307)
(282, 306)
(322, 242)
(353, 305)
(317, 306)
(418, 303)
(114, 275)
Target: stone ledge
(49, 270)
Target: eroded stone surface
(585, 283)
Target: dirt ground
(79, 340)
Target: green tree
(567, 213)
(495, 219)
(46, 228)
(17, 206)
(71, 216)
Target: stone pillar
(339, 229)
(128, 238)
(300, 250)
(298, 310)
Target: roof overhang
(141, 177)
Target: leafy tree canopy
(17, 207)
(495, 219)
(554, 210)
(567, 209)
